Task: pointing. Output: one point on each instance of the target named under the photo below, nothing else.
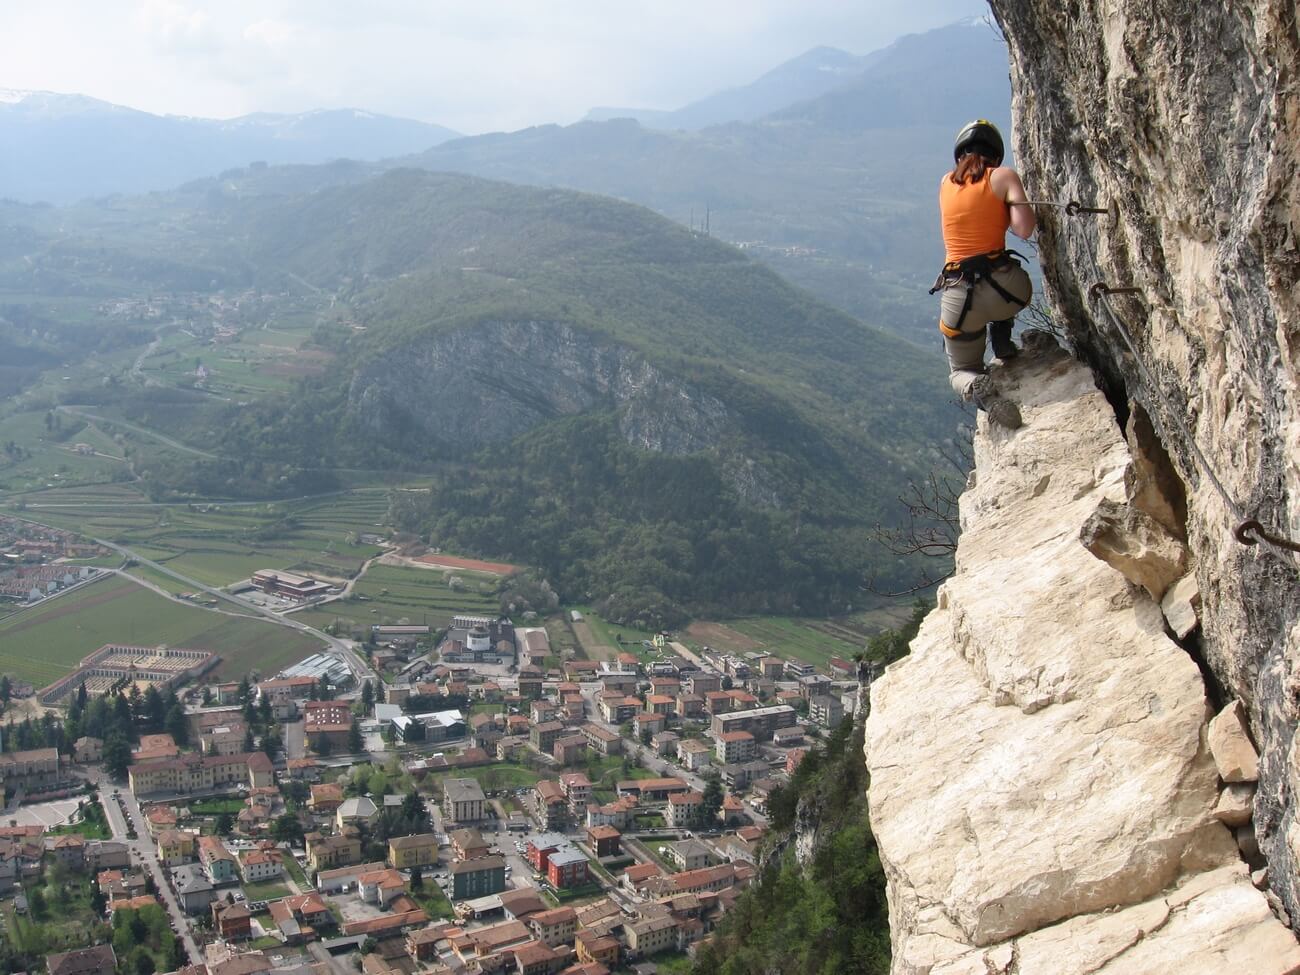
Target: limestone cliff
(1043, 755)
(1185, 119)
(1042, 785)
(495, 381)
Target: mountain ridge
(64, 147)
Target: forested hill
(646, 413)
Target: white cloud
(475, 65)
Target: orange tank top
(975, 219)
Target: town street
(144, 851)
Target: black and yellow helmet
(980, 136)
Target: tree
(207, 696)
(6, 689)
(412, 806)
(117, 755)
(295, 792)
(377, 784)
(272, 745)
(712, 803)
(367, 695)
(417, 879)
(153, 711)
(36, 901)
(322, 745)
(264, 713)
(287, 829)
(177, 957)
(324, 688)
(245, 690)
(177, 726)
(249, 744)
(356, 743)
(225, 824)
(143, 963)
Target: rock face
(1042, 791)
(1184, 119)
(495, 381)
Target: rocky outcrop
(1184, 120)
(494, 381)
(1043, 792)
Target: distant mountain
(807, 76)
(59, 148)
(658, 421)
(836, 192)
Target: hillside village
(470, 800)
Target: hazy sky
(474, 65)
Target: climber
(983, 284)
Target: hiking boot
(981, 390)
(1000, 339)
(984, 394)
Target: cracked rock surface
(1184, 119)
(1041, 782)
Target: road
(144, 851)
(295, 739)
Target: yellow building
(324, 852)
(413, 851)
(195, 773)
(175, 847)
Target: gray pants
(966, 355)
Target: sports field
(47, 641)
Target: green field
(266, 891)
(42, 456)
(45, 642)
(397, 593)
(217, 544)
(809, 639)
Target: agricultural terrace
(389, 594)
(217, 544)
(258, 361)
(45, 642)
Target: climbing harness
(973, 270)
(1246, 527)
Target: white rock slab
(1039, 754)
